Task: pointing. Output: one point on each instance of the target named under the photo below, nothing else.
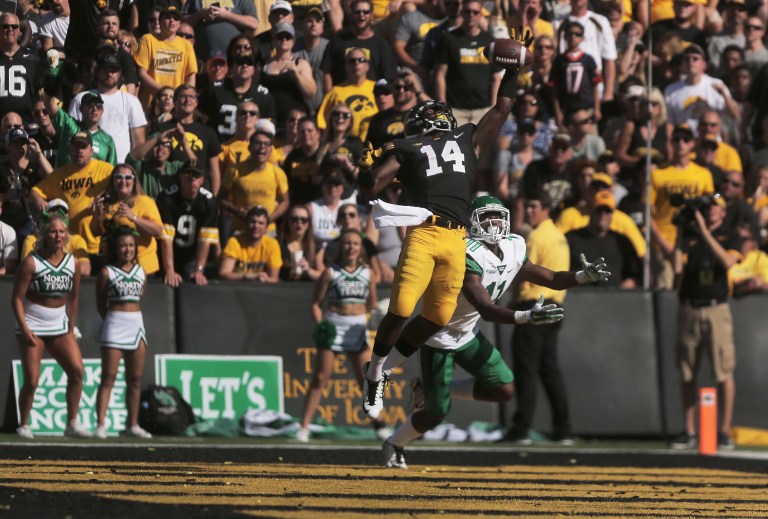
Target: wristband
(200, 268)
(523, 317)
(366, 178)
(508, 86)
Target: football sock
(376, 367)
(404, 434)
(463, 389)
(397, 356)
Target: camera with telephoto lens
(688, 207)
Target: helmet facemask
(490, 224)
(428, 117)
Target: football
(508, 53)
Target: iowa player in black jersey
(435, 164)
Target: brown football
(508, 53)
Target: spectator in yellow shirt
(750, 275)
(77, 183)
(356, 92)
(255, 181)
(165, 60)
(252, 255)
(124, 203)
(727, 157)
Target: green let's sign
(223, 386)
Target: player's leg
(414, 335)
(412, 277)
(436, 374)
(491, 379)
(358, 361)
(439, 302)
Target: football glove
(365, 164)
(540, 314)
(524, 36)
(592, 272)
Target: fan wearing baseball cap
(77, 183)
(123, 117)
(288, 77)
(597, 240)
(682, 175)
(91, 112)
(591, 181)
(697, 91)
(167, 60)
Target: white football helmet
(489, 219)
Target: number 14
(451, 153)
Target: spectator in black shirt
(190, 215)
(597, 240)
(704, 252)
(361, 35)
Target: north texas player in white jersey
(495, 258)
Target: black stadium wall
(617, 353)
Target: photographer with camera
(705, 249)
(24, 166)
(681, 178)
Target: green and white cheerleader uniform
(124, 330)
(346, 288)
(49, 280)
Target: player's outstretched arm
(478, 297)
(589, 273)
(489, 126)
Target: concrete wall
(617, 350)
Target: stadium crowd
(227, 134)
(217, 107)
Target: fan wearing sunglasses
(124, 203)
(297, 246)
(359, 20)
(682, 175)
(18, 66)
(356, 91)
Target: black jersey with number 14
(437, 171)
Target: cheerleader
(347, 290)
(44, 301)
(119, 288)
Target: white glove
(540, 314)
(592, 272)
